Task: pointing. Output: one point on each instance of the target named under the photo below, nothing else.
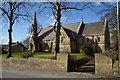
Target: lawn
(76, 56)
(17, 55)
(36, 55)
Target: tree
(13, 11)
(57, 8)
(110, 14)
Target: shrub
(86, 49)
(27, 54)
(3, 51)
(112, 54)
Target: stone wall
(105, 66)
(61, 64)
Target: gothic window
(51, 45)
(61, 39)
(83, 40)
(98, 39)
(44, 43)
(87, 40)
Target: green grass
(43, 55)
(36, 55)
(17, 55)
(76, 56)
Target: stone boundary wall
(61, 64)
(105, 66)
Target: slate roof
(5, 46)
(96, 28)
(46, 34)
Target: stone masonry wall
(105, 66)
(61, 64)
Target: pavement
(8, 72)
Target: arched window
(98, 39)
(83, 40)
(61, 39)
(44, 43)
(87, 40)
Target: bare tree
(110, 11)
(13, 11)
(57, 8)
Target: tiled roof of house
(96, 28)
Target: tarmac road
(18, 73)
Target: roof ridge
(94, 22)
(70, 23)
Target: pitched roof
(46, 34)
(96, 28)
(5, 46)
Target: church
(72, 37)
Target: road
(18, 73)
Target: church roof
(96, 28)
(46, 34)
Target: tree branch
(110, 6)
(83, 7)
(44, 8)
(51, 3)
(66, 8)
(4, 11)
(14, 8)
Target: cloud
(52, 22)
(51, 17)
(3, 40)
(64, 18)
(97, 3)
(28, 34)
(2, 37)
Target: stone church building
(72, 37)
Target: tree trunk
(10, 41)
(10, 31)
(58, 26)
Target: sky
(20, 29)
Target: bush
(112, 54)
(86, 49)
(27, 54)
(3, 51)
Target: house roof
(96, 28)
(13, 44)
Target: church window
(82, 40)
(98, 39)
(44, 44)
(61, 39)
(87, 40)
